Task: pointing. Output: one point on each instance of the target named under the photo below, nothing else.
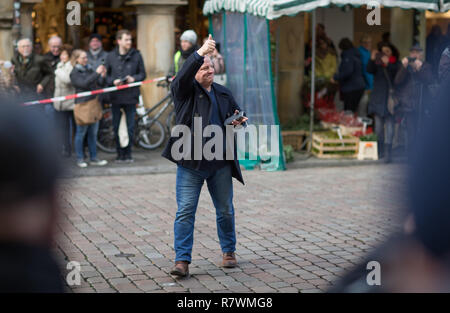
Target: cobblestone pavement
(297, 230)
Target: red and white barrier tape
(95, 92)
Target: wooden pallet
(323, 150)
(294, 138)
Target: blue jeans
(91, 131)
(188, 186)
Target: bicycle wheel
(151, 135)
(105, 137)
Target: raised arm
(183, 84)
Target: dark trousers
(65, 124)
(351, 99)
(130, 112)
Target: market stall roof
(272, 9)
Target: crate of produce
(294, 138)
(328, 145)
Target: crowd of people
(379, 84)
(64, 71)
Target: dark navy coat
(191, 100)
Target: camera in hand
(123, 80)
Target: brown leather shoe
(229, 260)
(181, 269)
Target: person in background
(412, 82)
(124, 65)
(323, 38)
(384, 66)
(84, 78)
(52, 56)
(416, 259)
(29, 206)
(64, 109)
(188, 43)
(386, 39)
(444, 65)
(6, 79)
(350, 75)
(321, 33)
(32, 73)
(326, 64)
(364, 49)
(96, 57)
(54, 44)
(434, 46)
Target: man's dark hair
(29, 162)
(345, 44)
(122, 32)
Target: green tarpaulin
(272, 9)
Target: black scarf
(188, 52)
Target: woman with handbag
(87, 110)
(384, 66)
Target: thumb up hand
(208, 47)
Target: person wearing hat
(412, 81)
(96, 54)
(188, 42)
(96, 57)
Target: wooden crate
(294, 138)
(325, 151)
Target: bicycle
(149, 131)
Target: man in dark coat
(412, 82)
(32, 72)
(124, 65)
(197, 97)
(55, 44)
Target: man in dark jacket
(124, 65)
(52, 56)
(33, 74)
(411, 82)
(196, 96)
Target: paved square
(297, 231)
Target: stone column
(6, 22)
(156, 41)
(290, 66)
(26, 20)
(401, 30)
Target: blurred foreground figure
(28, 205)
(419, 259)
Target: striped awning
(272, 9)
